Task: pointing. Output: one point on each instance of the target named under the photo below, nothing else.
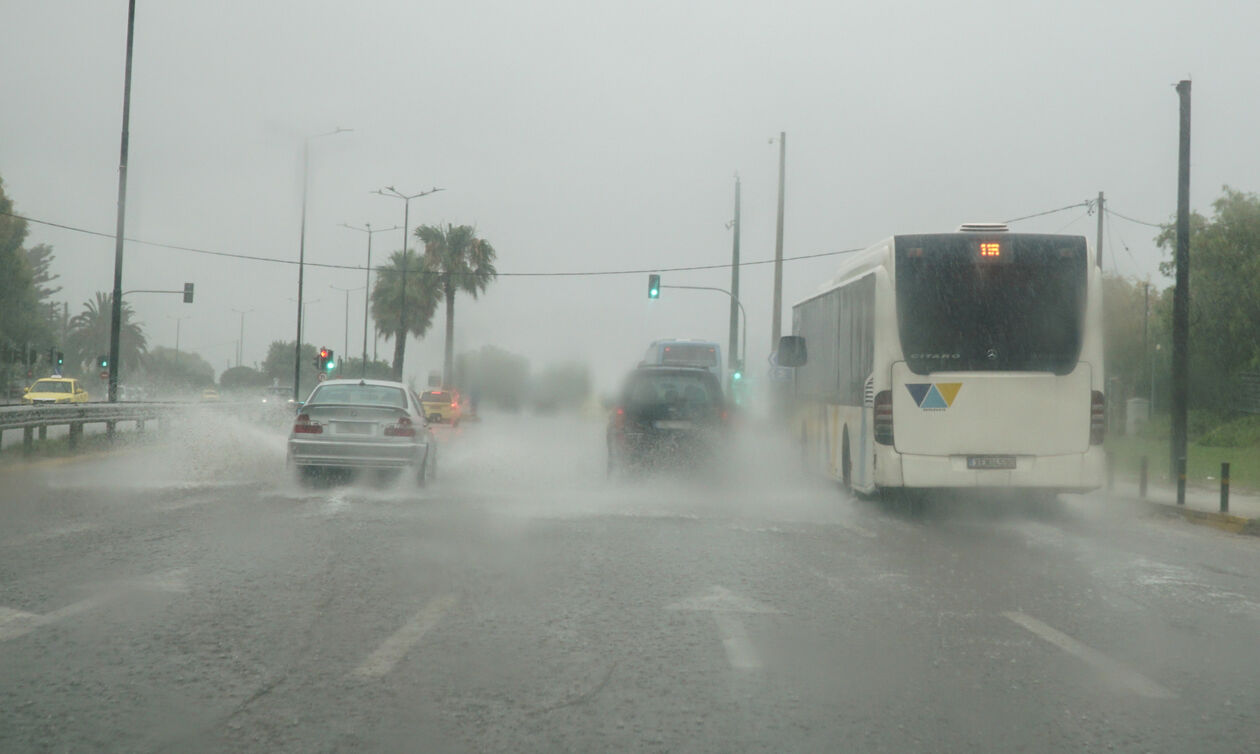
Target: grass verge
(1203, 464)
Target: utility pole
(115, 320)
(776, 320)
(306, 169)
(1181, 297)
(402, 309)
(1146, 355)
(732, 357)
(240, 344)
(367, 285)
(1098, 246)
(345, 348)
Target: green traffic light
(330, 366)
(737, 376)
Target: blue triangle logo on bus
(918, 391)
(928, 395)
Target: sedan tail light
(403, 428)
(884, 417)
(1097, 418)
(619, 419)
(304, 426)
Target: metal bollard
(1181, 481)
(1142, 471)
(1224, 488)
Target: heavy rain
(713, 377)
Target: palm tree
(463, 262)
(89, 333)
(422, 294)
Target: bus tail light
(1097, 417)
(304, 426)
(884, 417)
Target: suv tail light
(619, 418)
(1097, 418)
(884, 417)
(304, 426)
(402, 428)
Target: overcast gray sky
(596, 136)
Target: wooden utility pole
(1098, 246)
(1181, 301)
(732, 343)
(776, 320)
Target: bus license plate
(991, 462)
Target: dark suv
(666, 416)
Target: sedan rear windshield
(51, 386)
(362, 395)
(435, 396)
(1008, 302)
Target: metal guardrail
(32, 419)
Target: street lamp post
(297, 347)
(367, 283)
(240, 344)
(177, 321)
(402, 309)
(345, 348)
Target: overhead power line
(1050, 211)
(327, 265)
(1111, 211)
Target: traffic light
(330, 361)
(188, 293)
(102, 362)
(321, 359)
(654, 286)
(61, 358)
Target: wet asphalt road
(191, 597)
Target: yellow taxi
(55, 390)
(442, 406)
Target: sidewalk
(1202, 506)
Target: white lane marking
(54, 533)
(401, 641)
(740, 652)
(1114, 671)
(723, 600)
(15, 623)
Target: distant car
(666, 416)
(442, 406)
(209, 394)
(55, 390)
(362, 424)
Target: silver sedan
(362, 424)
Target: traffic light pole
(744, 349)
(115, 321)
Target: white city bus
(955, 360)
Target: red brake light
(1097, 417)
(403, 428)
(884, 417)
(304, 426)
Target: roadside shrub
(1243, 432)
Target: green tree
(493, 375)
(242, 378)
(278, 366)
(562, 387)
(1124, 303)
(169, 370)
(463, 262)
(24, 321)
(1224, 311)
(90, 329)
(408, 278)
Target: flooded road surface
(190, 596)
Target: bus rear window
(683, 354)
(1012, 302)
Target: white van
(687, 353)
